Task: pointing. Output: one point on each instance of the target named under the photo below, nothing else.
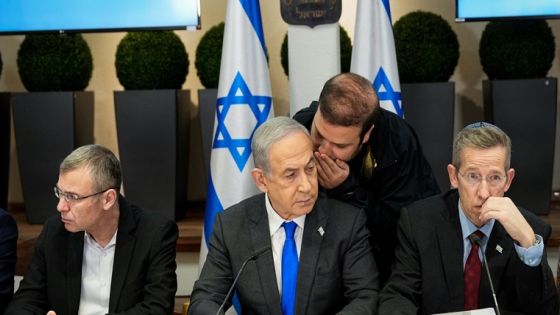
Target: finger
(320, 165)
(330, 163)
(321, 178)
(324, 164)
(342, 165)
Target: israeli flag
(244, 103)
(373, 55)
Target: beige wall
(468, 75)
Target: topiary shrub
(345, 52)
(209, 56)
(517, 49)
(151, 60)
(426, 46)
(53, 62)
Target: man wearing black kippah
(439, 265)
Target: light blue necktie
(289, 270)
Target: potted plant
(55, 116)
(152, 116)
(208, 61)
(5, 123)
(427, 54)
(345, 52)
(519, 98)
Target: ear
(110, 198)
(260, 180)
(452, 172)
(368, 133)
(510, 174)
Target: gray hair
(269, 133)
(102, 164)
(480, 135)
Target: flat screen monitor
(29, 16)
(486, 10)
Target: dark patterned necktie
(473, 269)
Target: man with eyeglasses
(100, 254)
(439, 261)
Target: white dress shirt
(278, 236)
(97, 271)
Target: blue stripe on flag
(253, 10)
(213, 207)
(387, 8)
(385, 92)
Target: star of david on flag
(259, 106)
(244, 102)
(373, 55)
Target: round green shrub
(517, 49)
(151, 60)
(209, 56)
(345, 52)
(54, 62)
(426, 46)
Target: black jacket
(428, 272)
(8, 245)
(402, 175)
(143, 280)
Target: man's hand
(331, 173)
(504, 211)
(51, 313)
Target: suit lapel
(75, 254)
(498, 252)
(260, 238)
(309, 255)
(123, 253)
(451, 250)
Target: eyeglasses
(72, 197)
(474, 179)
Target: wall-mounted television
(30, 16)
(487, 10)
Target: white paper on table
(484, 311)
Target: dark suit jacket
(8, 245)
(336, 272)
(427, 275)
(143, 280)
(402, 176)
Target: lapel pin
(321, 231)
(499, 249)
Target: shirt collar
(275, 221)
(467, 227)
(91, 241)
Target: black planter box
(5, 124)
(207, 113)
(152, 130)
(430, 109)
(48, 126)
(526, 111)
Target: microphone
(255, 255)
(475, 239)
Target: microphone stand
(476, 239)
(253, 257)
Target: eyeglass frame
(58, 193)
(503, 178)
